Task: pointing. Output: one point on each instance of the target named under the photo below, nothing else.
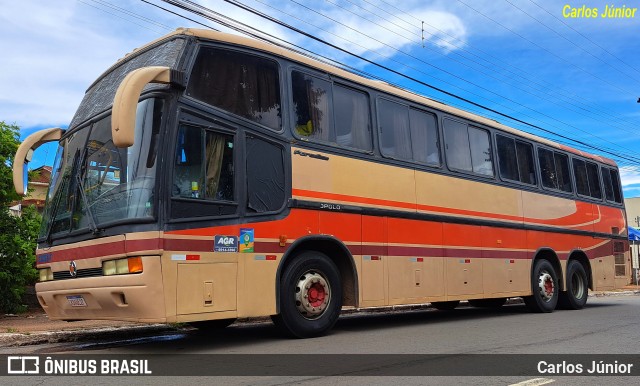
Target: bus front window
(117, 184)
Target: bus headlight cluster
(122, 266)
(46, 274)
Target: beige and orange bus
(207, 177)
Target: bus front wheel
(544, 285)
(310, 296)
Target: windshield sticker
(246, 240)
(225, 244)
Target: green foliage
(9, 142)
(17, 234)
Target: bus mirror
(125, 103)
(25, 154)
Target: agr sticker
(225, 244)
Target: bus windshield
(95, 183)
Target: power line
(584, 36)
(132, 14)
(547, 88)
(438, 68)
(567, 39)
(386, 68)
(544, 49)
(119, 16)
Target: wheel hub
(546, 286)
(312, 294)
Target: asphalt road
(608, 325)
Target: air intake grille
(88, 272)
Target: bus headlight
(122, 266)
(46, 274)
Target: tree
(9, 142)
(17, 234)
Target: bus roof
(372, 83)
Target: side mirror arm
(125, 102)
(25, 152)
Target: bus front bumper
(131, 297)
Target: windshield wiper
(93, 227)
(54, 210)
(92, 220)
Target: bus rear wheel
(577, 287)
(310, 296)
(445, 306)
(544, 285)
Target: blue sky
(577, 77)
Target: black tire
(544, 285)
(310, 275)
(575, 297)
(445, 306)
(488, 303)
(212, 326)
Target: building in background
(38, 187)
(632, 206)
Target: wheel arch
(580, 256)
(551, 256)
(337, 252)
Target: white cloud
(56, 50)
(630, 175)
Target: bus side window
(580, 171)
(611, 185)
(312, 103)
(187, 178)
(563, 172)
(242, 84)
(424, 137)
(204, 165)
(219, 169)
(265, 176)
(467, 148)
(516, 162)
(480, 151)
(587, 178)
(594, 180)
(456, 140)
(395, 138)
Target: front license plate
(76, 301)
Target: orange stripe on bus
(582, 216)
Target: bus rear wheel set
(546, 294)
(311, 293)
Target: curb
(142, 331)
(41, 337)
